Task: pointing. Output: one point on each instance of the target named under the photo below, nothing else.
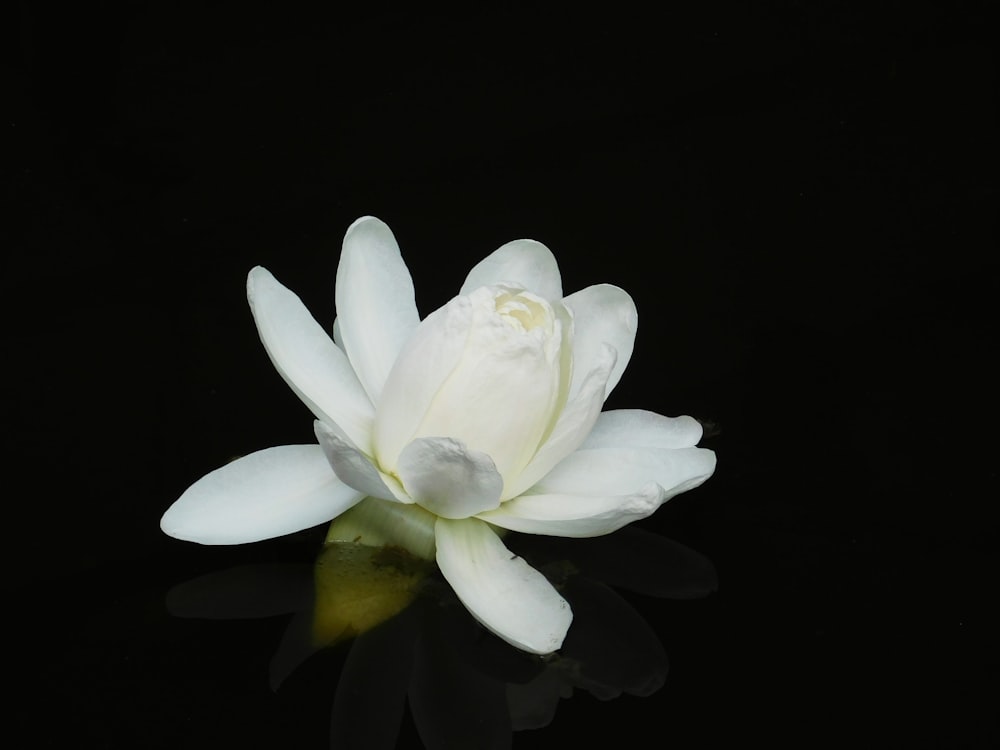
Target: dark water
(800, 200)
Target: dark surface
(800, 199)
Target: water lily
(440, 434)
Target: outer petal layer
(639, 428)
(448, 479)
(525, 263)
(597, 491)
(355, 469)
(603, 315)
(266, 494)
(575, 515)
(503, 592)
(376, 311)
(308, 360)
(623, 470)
(572, 427)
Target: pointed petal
(524, 263)
(266, 494)
(448, 479)
(575, 515)
(646, 429)
(503, 592)
(355, 468)
(308, 360)
(572, 427)
(620, 470)
(376, 310)
(602, 314)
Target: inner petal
(500, 397)
(448, 479)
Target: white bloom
(485, 414)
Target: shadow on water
(410, 642)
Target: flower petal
(376, 310)
(641, 428)
(464, 369)
(428, 358)
(616, 471)
(355, 469)
(337, 338)
(602, 314)
(572, 427)
(448, 479)
(524, 263)
(503, 592)
(308, 360)
(266, 494)
(575, 515)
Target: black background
(799, 197)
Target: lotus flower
(438, 435)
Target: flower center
(522, 310)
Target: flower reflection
(412, 642)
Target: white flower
(485, 415)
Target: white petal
(640, 428)
(576, 515)
(376, 311)
(503, 592)
(308, 360)
(602, 314)
(448, 479)
(617, 471)
(427, 359)
(501, 397)
(266, 494)
(337, 338)
(524, 263)
(473, 372)
(355, 468)
(572, 427)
